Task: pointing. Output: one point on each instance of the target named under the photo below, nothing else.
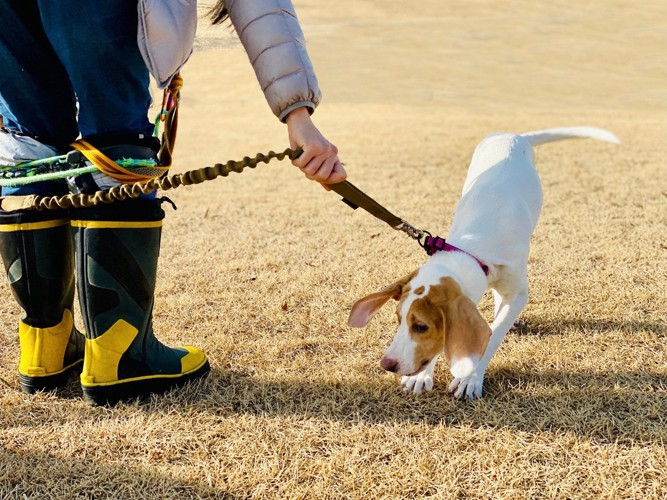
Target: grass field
(260, 271)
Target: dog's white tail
(557, 134)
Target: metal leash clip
(410, 230)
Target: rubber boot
(117, 248)
(36, 249)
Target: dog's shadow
(605, 407)
(602, 405)
(528, 325)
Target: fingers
(338, 174)
(324, 167)
(319, 160)
(320, 167)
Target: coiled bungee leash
(351, 195)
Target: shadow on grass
(606, 407)
(539, 327)
(30, 474)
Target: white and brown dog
(487, 247)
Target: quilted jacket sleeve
(272, 37)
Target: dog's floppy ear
(466, 336)
(466, 332)
(364, 309)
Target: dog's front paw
(422, 382)
(469, 387)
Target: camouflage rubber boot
(117, 248)
(36, 249)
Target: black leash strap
(356, 198)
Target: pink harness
(434, 244)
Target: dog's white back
(502, 195)
(500, 203)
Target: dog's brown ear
(466, 335)
(364, 309)
(466, 332)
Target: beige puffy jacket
(272, 37)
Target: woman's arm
(273, 39)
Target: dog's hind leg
(497, 301)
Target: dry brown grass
(260, 271)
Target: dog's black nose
(391, 365)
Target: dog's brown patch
(445, 319)
(426, 325)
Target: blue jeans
(55, 53)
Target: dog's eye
(419, 328)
